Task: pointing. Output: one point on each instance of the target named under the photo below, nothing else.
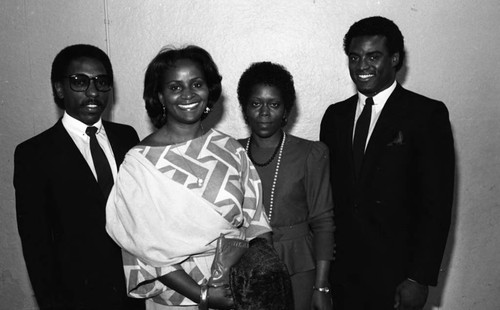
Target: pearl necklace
(275, 179)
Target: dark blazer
(72, 262)
(393, 222)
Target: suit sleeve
(435, 160)
(35, 228)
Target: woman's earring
(284, 120)
(207, 110)
(164, 114)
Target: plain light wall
(453, 55)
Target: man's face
(86, 106)
(371, 66)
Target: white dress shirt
(76, 130)
(379, 101)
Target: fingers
(397, 299)
(221, 297)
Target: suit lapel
(71, 159)
(347, 127)
(385, 129)
(350, 132)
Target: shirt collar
(78, 127)
(381, 97)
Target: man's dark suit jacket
(393, 222)
(72, 262)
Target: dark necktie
(101, 164)
(360, 135)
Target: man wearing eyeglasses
(62, 179)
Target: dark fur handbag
(227, 254)
(260, 280)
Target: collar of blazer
(388, 124)
(66, 155)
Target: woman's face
(265, 110)
(185, 92)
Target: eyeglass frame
(89, 79)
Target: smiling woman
(165, 210)
(185, 95)
(180, 73)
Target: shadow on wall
(403, 71)
(292, 118)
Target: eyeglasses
(81, 82)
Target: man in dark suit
(62, 178)
(392, 177)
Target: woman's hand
(220, 298)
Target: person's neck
(267, 142)
(387, 87)
(175, 134)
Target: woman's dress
(302, 215)
(170, 204)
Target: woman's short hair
(166, 59)
(64, 58)
(270, 74)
